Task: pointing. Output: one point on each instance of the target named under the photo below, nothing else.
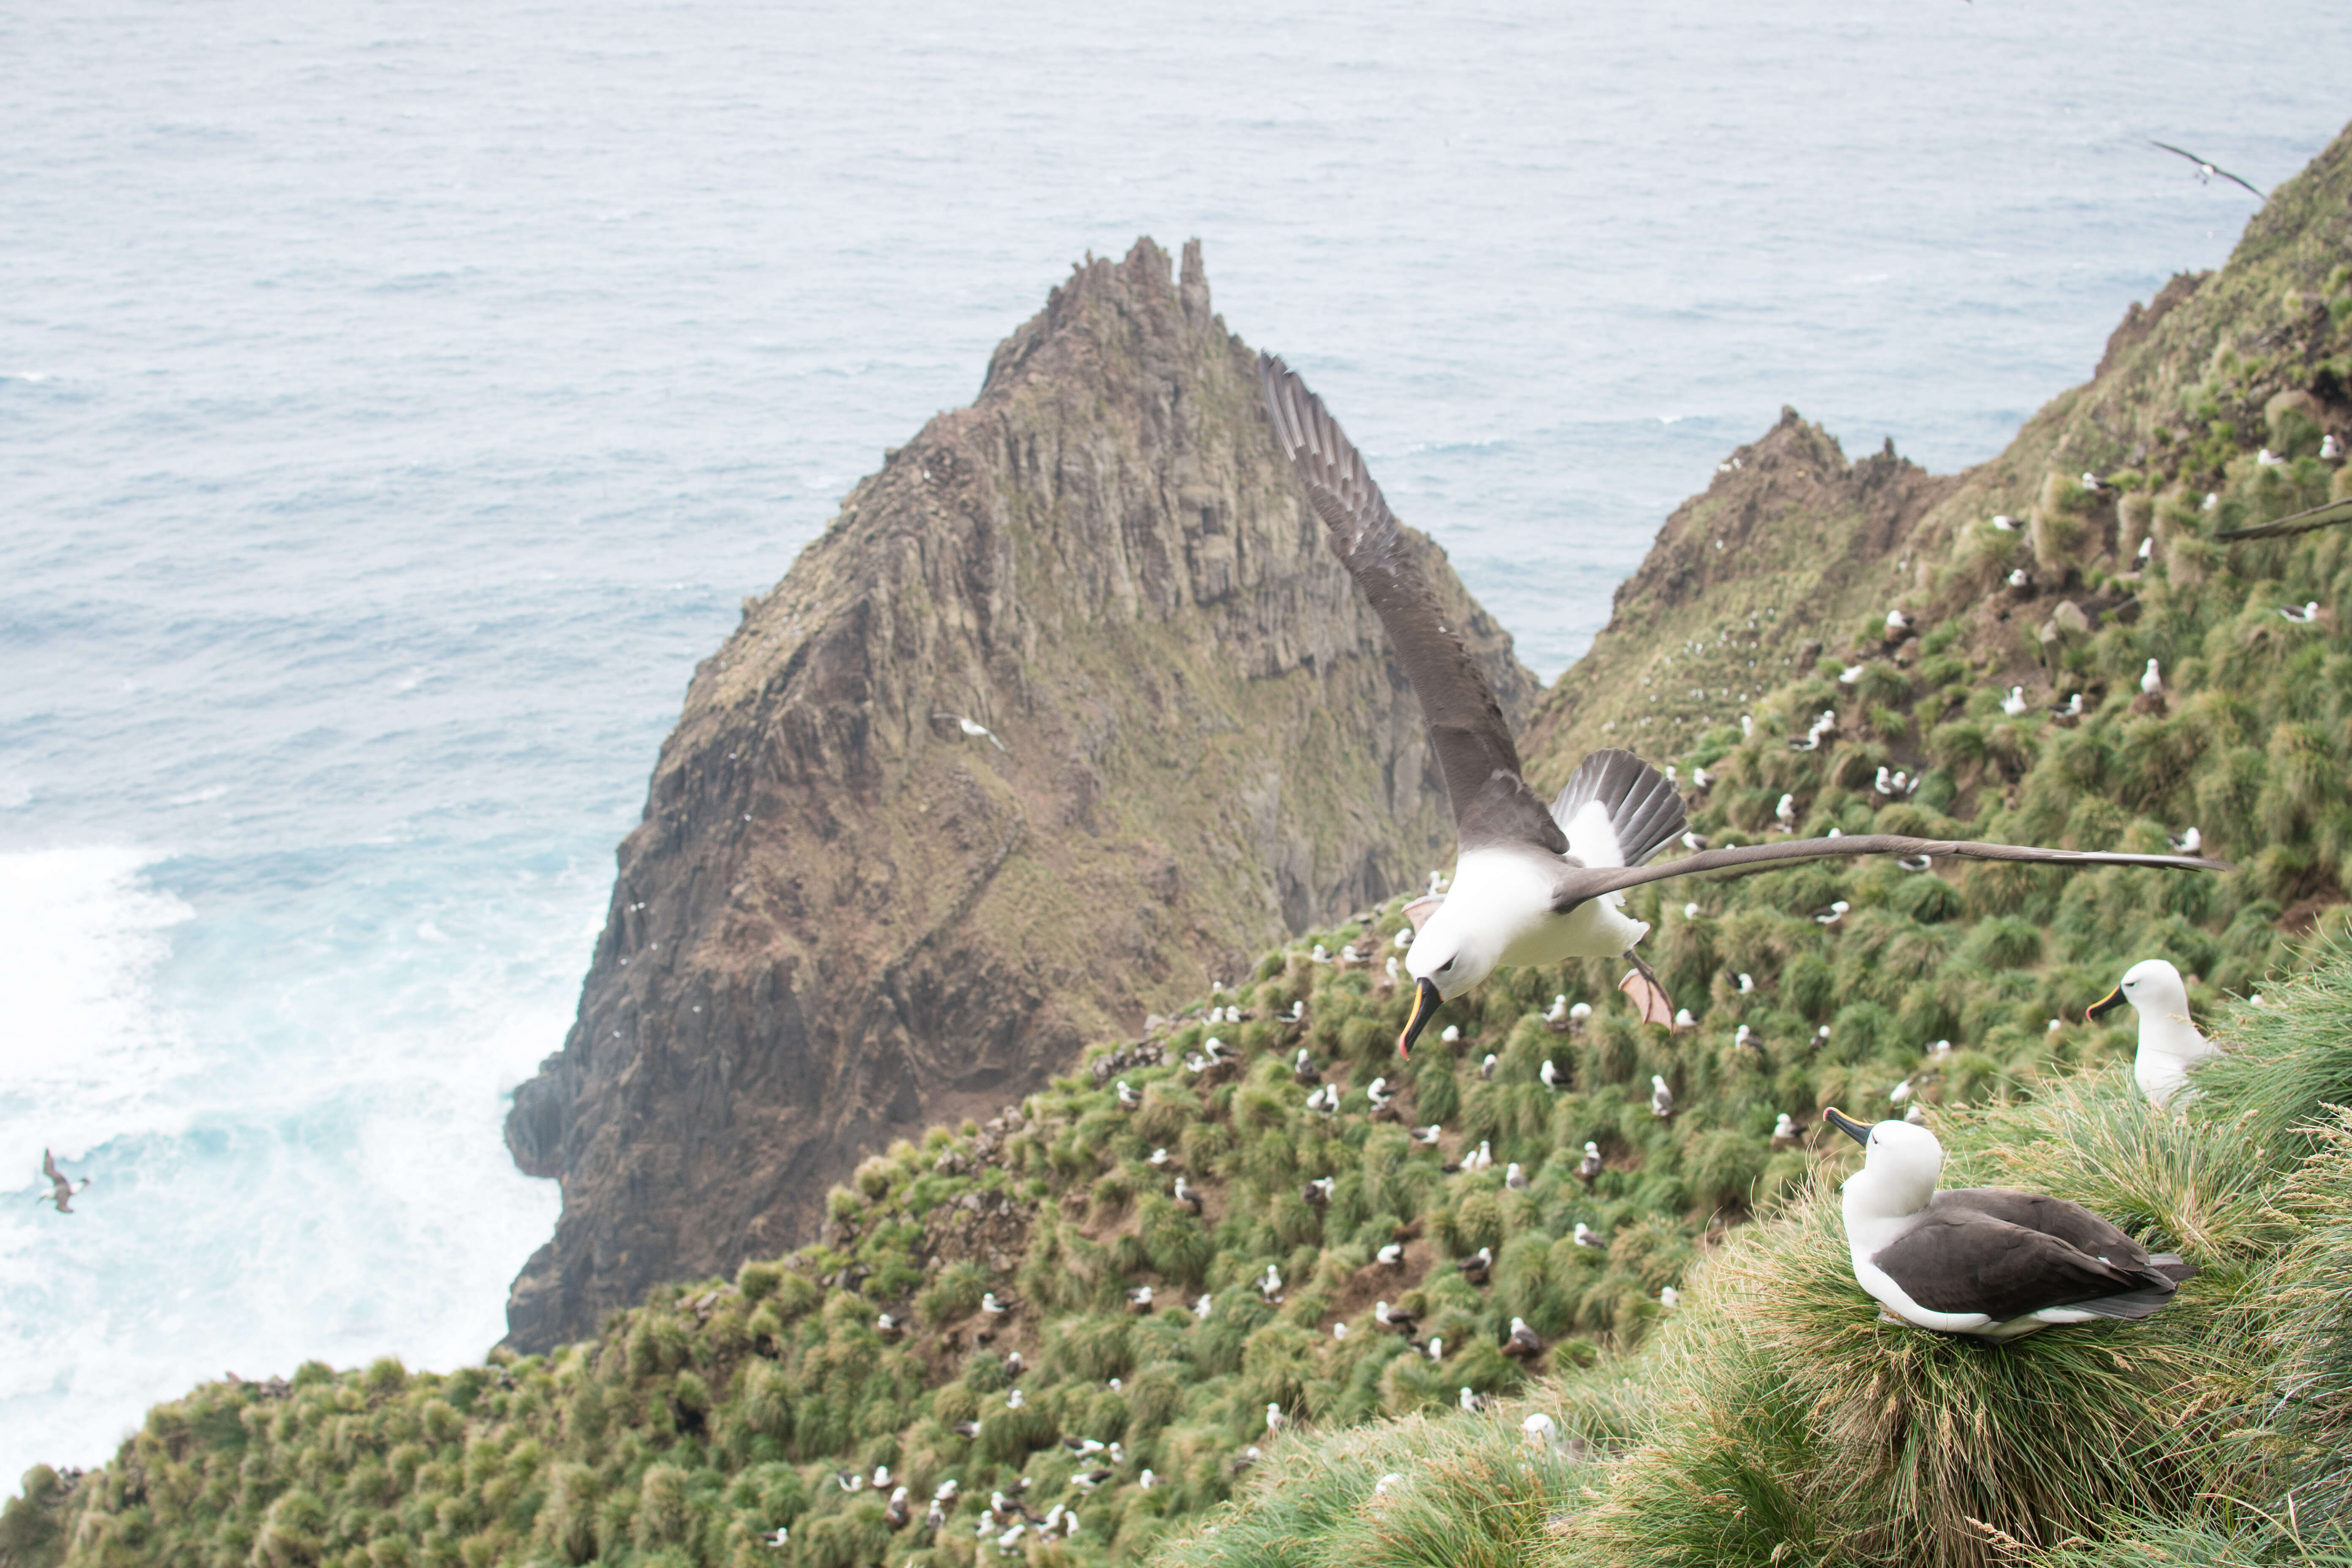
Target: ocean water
(396, 399)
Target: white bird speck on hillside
(1747, 984)
(1662, 1098)
(1584, 1236)
(2169, 1041)
(2014, 703)
(2152, 680)
(2004, 523)
(975, 729)
(2303, 616)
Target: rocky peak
(1067, 712)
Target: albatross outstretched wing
(1576, 884)
(1491, 802)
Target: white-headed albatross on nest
(1985, 1262)
(1532, 885)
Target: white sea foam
(88, 1055)
(312, 1171)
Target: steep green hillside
(1774, 1420)
(1766, 1419)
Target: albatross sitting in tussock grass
(1988, 1262)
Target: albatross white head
(1459, 947)
(1900, 1166)
(2168, 1041)
(1500, 911)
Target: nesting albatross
(1988, 1262)
(1533, 885)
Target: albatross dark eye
(1445, 967)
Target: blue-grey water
(395, 399)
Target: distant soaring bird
(2205, 170)
(61, 1191)
(1534, 883)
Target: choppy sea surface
(396, 399)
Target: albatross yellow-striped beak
(2108, 1004)
(1426, 1003)
(1846, 1125)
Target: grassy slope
(718, 1410)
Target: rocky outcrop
(1746, 584)
(1068, 711)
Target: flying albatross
(2206, 171)
(61, 1191)
(1985, 1262)
(1533, 885)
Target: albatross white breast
(2169, 1043)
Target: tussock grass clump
(1474, 1490)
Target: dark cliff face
(846, 918)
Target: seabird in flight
(1989, 1262)
(2169, 1043)
(1532, 884)
(2205, 170)
(61, 1191)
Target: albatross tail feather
(2128, 1304)
(1645, 811)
